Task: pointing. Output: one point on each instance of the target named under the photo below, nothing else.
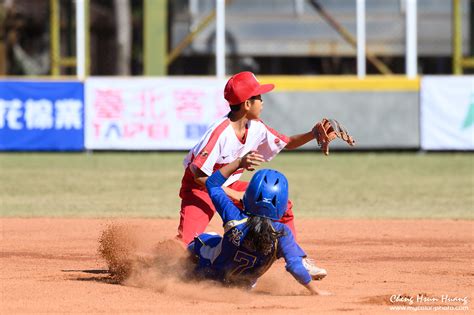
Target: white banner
(447, 113)
(150, 113)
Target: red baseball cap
(242, 86)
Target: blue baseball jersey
(231, 258)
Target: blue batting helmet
(267, 194)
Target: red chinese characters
(108, 104)
(131, 117)
(189, 105)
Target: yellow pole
(155, 47)
(190, 37)
(3, 49)
(87, 37)
(54, 40)
(457, 38)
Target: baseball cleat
(315, 272)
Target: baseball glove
(329, 129)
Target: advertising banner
(38, 116)
(150, 113)
(447, 113)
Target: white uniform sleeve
(273, 142)
(208, 151)
(206, 160)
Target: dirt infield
(52, 266)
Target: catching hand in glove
(329, 129)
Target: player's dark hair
(261, 234)
(235, 108)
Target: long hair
(261, 235)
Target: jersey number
(245, 261)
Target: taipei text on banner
(42, 115)
(150, 113)
(447, 113)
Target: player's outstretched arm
(297, 141)
(293, 253)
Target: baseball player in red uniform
(228, 139)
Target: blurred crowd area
(265, 36)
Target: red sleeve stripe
(204, 153)
(282, 137)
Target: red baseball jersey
(220, 145)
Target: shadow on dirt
(93, 271)
(103, 276)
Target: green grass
(343, 185)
